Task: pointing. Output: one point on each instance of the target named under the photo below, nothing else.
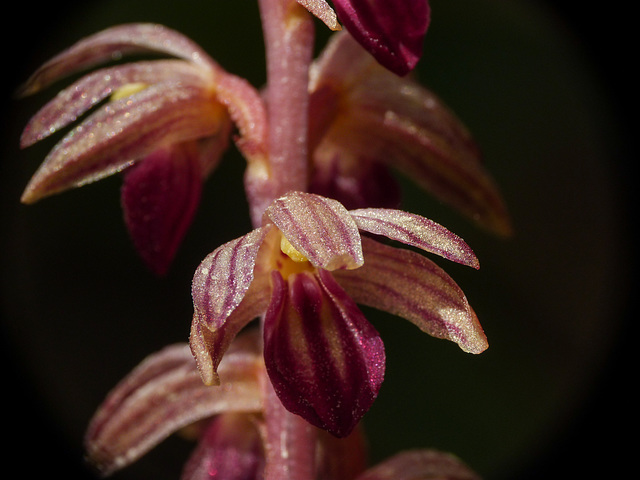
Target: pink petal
(416, 231)
(407, 284)
(164, 394)
(393, 32)
(91, 89)
(123, 131)
(226, 296)
(373, 114)
(113, 43)
(160, 196)
(230, 449)
(318, 227)
(325, 360)
(420, 465)
(322, 10)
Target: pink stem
(289, 37)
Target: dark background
(593, 438)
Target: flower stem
(289, 37)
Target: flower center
(290, 251)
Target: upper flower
(304, 270)
(364, 120)
(169, 117)
(391, 30)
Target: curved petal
(91, 89)
(113, 43)
(322, 10)
(226, 297)
(420, 465)
(417, 231)
(325, 360)
(159, 197)
(318, 227)
(393, 32)
(165, 393)
(407, 284)
(124, 131)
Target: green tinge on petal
(318, 227)
(407, 284)
(164, 394)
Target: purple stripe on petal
(163, 394)
(393, 32)
(123, 131)
(416, 231)
(114, 43)
(407, 284)
(91, 89)
(325, 360)
(318, 227)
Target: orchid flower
(164, 122)
(391, 30)
(163, 395)
(365, 121)
(305, 269)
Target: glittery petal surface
(420, 465)
(114, 43)
(322, 10)
(91, 89)
(407, 284)
(165, 393)
(123, 131)
(318, 227)
(325, 360)
(416, 231)
(393, 32)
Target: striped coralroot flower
(305, 270)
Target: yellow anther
(290, 251)
(127, 90)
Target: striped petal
(226, 297)
(420, 465)
(124, 131)
(325, 360)
(374, 114)
(318, 227)
(407, 284)
(114, 43)
(91, 89)
(164, 394)
(416, 231)
(393, 32)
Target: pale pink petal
(230, 449)
(322, 10)
(123, 131)
(114, 43)
(318, 227)
(420, 465)
(164, 394)
(407, 284)
(416, 231)
(91, 89)
(325, 360)
(159, 198)
(392, 31)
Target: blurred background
(546, 91)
